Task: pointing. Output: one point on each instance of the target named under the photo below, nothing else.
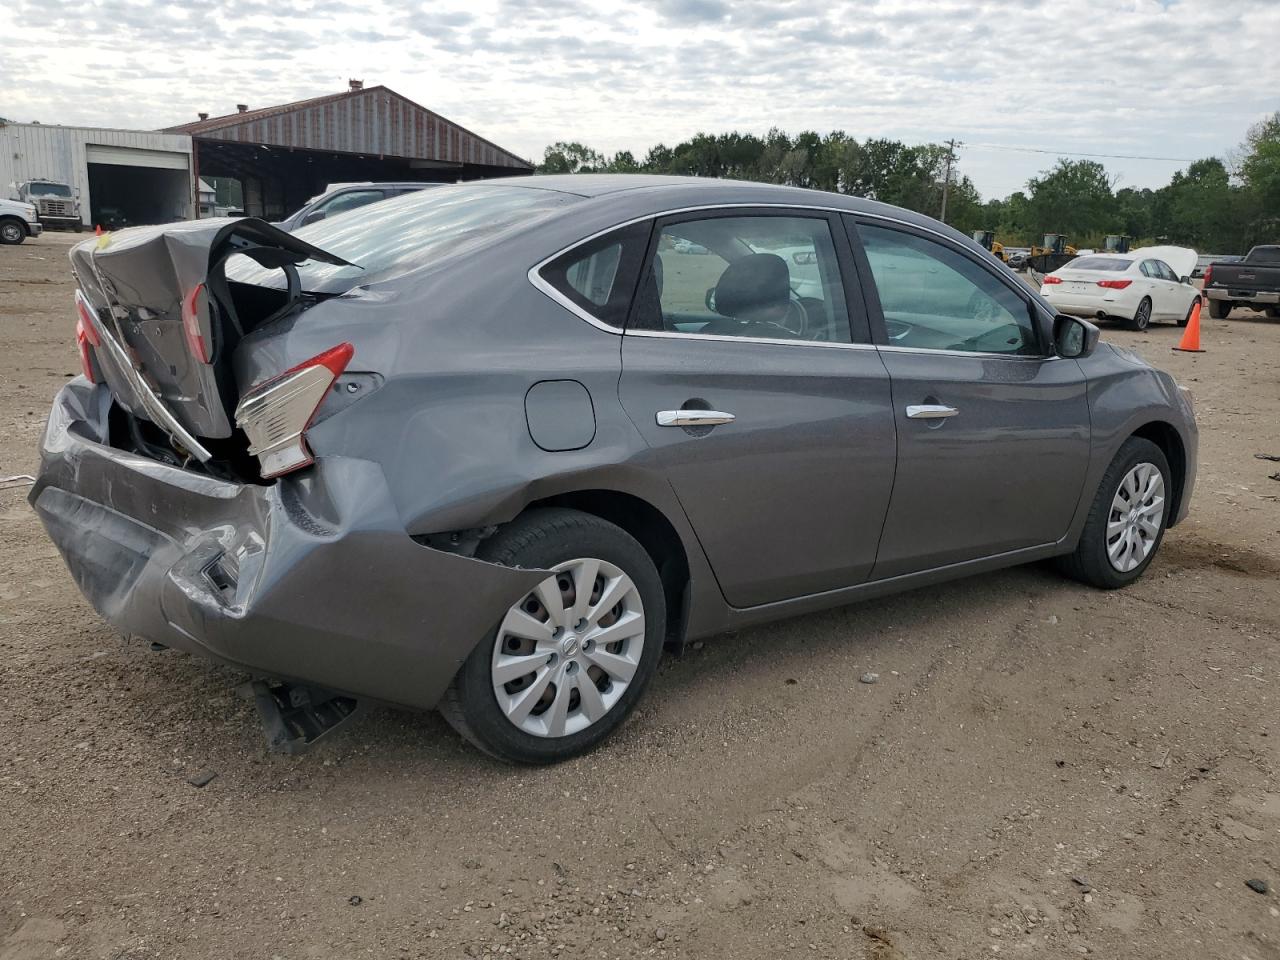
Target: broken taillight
(86, 335)
(197, 342)
(275, 414)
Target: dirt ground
(1042, 770)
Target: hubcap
(1137, 511)
(567, 652)
(11, 232)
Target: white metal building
(120, 176)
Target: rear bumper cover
(310, 579)
(1241, 296)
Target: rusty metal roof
(374, 120)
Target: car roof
(646, 193)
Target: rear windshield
(1107, 264)
(396, 235)
(1267, 255)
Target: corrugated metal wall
(32, 150)
(374, 121)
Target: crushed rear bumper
(311, 579)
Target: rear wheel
(570, 659)
(1142, 316)
(1219, 309)
(1273, 313)
(11, 231)
(1127, 520)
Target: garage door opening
(130, 187)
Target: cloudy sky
(1176, 79)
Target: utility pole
(946, 180)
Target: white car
(1152, 283)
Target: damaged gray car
(490, 448)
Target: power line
(1073, 153)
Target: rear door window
(762, 277)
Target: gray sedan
(490, 448)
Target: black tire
(1273, 313)
(12, 230)
(79, 227)
(1089, 562)
(1219, 309)
(1141, 317)
(544, 538)
(1190, 310)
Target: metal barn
(285, 154)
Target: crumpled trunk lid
(136, 283)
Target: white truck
(18, 221)
(56, 203)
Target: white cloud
(1176, 79)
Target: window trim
(859, 263)
(875, 311)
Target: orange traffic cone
(97, 231)
(1191, 339)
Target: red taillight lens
(86, 336)
(197, 343)
(1208, 275)
(275, 415)
(86, 319)
(1114, 284)
(1052, 279)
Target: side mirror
(804, 257)
(1186, 279)
(1074, 338)
(312, 217)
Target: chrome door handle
(693, 418)
(930, 411)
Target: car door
(1177, 295)
(1154, 286)
(761, 399)
(993, 428)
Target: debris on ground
(202, 779)
(1257, 886)
(869, 677)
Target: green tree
(1260, 173)
(1073, 198)
(562, 157)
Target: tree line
(1212, 206)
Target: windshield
(399, 234)
(1103, 264)
(39, 188)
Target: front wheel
(12, 232)
(570, 659)
(1142, 316)
(1219, 309)
(1127, 520)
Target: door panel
(1004, 472)
(789, 498)
(744, 313)
(993, 435)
